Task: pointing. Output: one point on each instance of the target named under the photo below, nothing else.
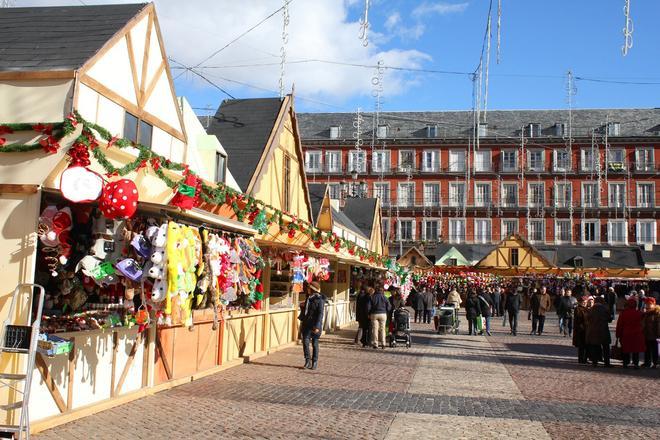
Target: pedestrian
(379, 308)
(311, 323)
(529, 294)
(429, 303)
(472, 311)
(362, 316)
(455, 299)
(580, 329)
(540, 304)
(610, 298)
(513, 301)
(418, 305)
(598, 336)
(629, 332)
(486, 310)
(640, 300)
(497, 297)
(651, 328)
(565, 311)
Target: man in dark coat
(610, 298)
(418, 305)
(486, 303)
(497, 296)
(512, 305)
(472, 310)
(362, 316)
(598, 335)
(565, 311)
(311, 323)
(429, 302)
(580, 329)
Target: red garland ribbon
(79, 155)
(4, 129)
(49, 144)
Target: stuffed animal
(157, 235)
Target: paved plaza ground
(453, 387)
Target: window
(431, 161)
(590, 195)
(613, 129)
(513, 257)
(380, 161)
(406, 160)
(617, 195)
(334, 190)
(562, 160)
(357, 161)
(482, 129)
(456, 160)
(509, 160)
(382, 191)
(220, 167)
(646, 231)
(313, 161)
(645, 195)
(386, 229)
(406, 230)
(286, 197)
(431, 131)
(431, 230)
(482, 194)
(431, 194)
(616, 159)
(382, 131)
(451, 262)
(588, 159)
(535, 196)
(563, 195)
(534, 130)
(456, 230)
(335, 131)
(644, 159)
(563, 231)
(560, 129)
(536, 231)
(137, 131)
(535, 158)
(333, 161)
(509, 227)
(482, 162)
(590, 231)
(456, 194)
(406, 194)
(482, 231)
(509, 195)
(617, 232)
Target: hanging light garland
(285, 41)
(364, 25)
(627, 30)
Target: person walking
(497, 297)
(472, 311)
(418, 305)
(454, 298)
(580, 329)
(311, 324)
(629, 332)
(513, 301)
(540, 304)
(651, 328)
(610, 298)
(379, 308)
(565, 309)
(486, 310)
(362, 316)
(598, 336)
(429, 304)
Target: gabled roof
(317, 193)
(471, 252)
(244, 127)
(340, 218)
(621, 257)
(421, 260)
(362, 213)
(526, 244)
(59, 37)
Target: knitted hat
(119, 199)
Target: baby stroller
(400, 328)
(448, 320)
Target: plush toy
(157, 235)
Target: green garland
(220, 194)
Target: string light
(499, 27)
(627, 30)
(364, 25)
(285, 40)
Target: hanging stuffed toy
(119, 199)
(187, 195)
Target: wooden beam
(73, 356)
(129, 363)
(131, 60)
(159, 348)
(132, 108)
(47, 74)
(115, 347)
(145, 56)
(152, 84)
(13, 188)
(50, 382)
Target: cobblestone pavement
(454, 386)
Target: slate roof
(58, 37)
(346, 222)
(316, 195)
(501, 123)
(243, 127)
(621, 257)
(361, 212)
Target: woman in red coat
(629, 332)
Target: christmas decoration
(119, 199)
(80, 185)
(187, 194)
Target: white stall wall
(35, 100)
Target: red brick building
(442, 180)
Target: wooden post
(334, 291)
(73, 356)
(115, 346)
(265, 337)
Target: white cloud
(318, 29)
(393, 20)
(440, 8)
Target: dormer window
(335, 131)
(220, 167)
(482, 129)
(560, 129)
(431, 131)
(381, 132)
(534, 130)
(613, 128)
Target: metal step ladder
(18, 340)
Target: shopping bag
(480, 323)
(615, 351)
